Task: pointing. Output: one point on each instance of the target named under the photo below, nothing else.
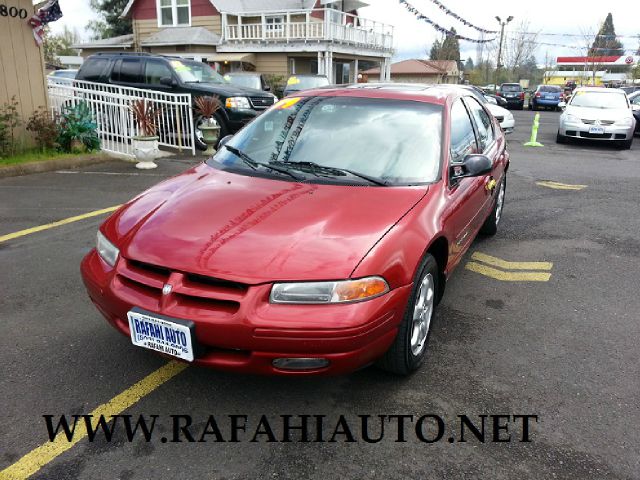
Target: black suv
(513, 94)
(179, 75)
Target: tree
(434, 53)
(468, 65)
(446, 49)
(59, 44)
(109, 24)
(519, 51)
(606, 42)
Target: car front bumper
(581, 130)
(349, 336)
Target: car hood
(227, 90)
(255, 230)
(598, 113)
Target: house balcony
(307, 26)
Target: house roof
(412, 66)
(113, 42)
(181, 36)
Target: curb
(50, 165)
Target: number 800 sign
(13, 12)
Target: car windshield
(511, 88)
(251, 81)
(196, 72)
(604, 100)
(394, 142)
(306, 83)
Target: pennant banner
(441, 29)
(459, 18)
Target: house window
(174, 13)
(275, 24)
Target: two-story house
(276, 37)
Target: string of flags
(459, 18)
(440, 28)
(49, 12)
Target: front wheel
(490, 226)
(408, 350)
(560, 138)
(625, 144)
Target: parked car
(513, 94)
(178, 75)
(602, 114)
(501, 102)
(323, 249)
(248, 79)
(546, 96)
(297, 83)
(630, 90)
(62, 77)
(504, 116)
(634, 100)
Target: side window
(463, 138)
(130, 71)
(115, 72)
(93, 68)
(483, 123)
(154, 71)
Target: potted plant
(145, 144)
(209, 128)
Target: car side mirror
(562, 105)
(267, 88)
(491, 100)
(474, 165)
(224, 141)
(168, 81)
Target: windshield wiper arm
(327, 169)
(253, 164)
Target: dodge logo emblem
(166, 290)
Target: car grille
(206, 295)
(602, 122)
(261, 103)
(595, 135)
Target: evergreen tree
(434, 54)
(606, 42)
(450, 48)
(110, 24)
(468, 65)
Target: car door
(465, 197)
(127, 72)
(159, 76)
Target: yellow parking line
(497, 262)
(40, 456)
(508, 276)
(59, 223)
(560, 186)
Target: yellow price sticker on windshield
(286, 103)
(227, 77)
(293, 81)
(178, 65)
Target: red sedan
(317, 240)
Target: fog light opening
(300, 363)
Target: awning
(232, 57)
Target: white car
(504, 116)
(602, 114)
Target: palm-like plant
(207, 106)
(146, 115)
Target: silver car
(602, 114)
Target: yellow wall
(272, 63)
(21, 63)
(565, 77)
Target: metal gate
(110, 105)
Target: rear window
(511, 87)
(92, 69)
(549, 89)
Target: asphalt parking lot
(561, 344)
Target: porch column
(383, 69)
(224, 26)
(320, 63)
(329, 71)
(264, 27)
(240, 36)
(355, 71)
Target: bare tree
(520, 46)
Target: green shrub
(78, 130)
(44, 127)
(9, 121)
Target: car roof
(598, 89)
(436, 94)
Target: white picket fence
(110, 105)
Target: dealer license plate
(169, 336)
(596, 130)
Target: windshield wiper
(254, 165)
(329, 170)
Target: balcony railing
(323, 24)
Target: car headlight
(237, 103)
(571, 118)
(329, 292)
(624, 122)
(107, 250)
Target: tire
(560, 138)
(410, 345)
(490, 225)
(625, 144)
(200, 145)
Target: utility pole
(499, 65)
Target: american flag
(49, 12)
